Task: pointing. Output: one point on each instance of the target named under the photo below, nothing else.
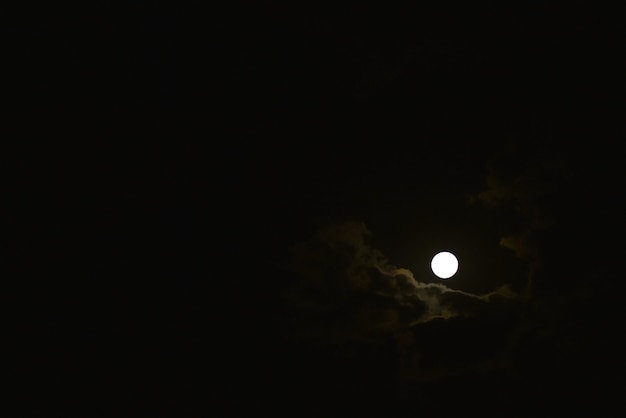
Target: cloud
(346, 288)
(524, 181)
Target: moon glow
(444, 265)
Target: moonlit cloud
(340, 276)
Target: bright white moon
(444, 265)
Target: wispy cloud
(339, 274)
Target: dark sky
(215, 209)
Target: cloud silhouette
(347, 288)
(525, 180)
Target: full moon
(444, 265)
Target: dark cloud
(523, 181)
(357, 292)
(555, 209)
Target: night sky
(215, 210)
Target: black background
(165, 157)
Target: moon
(444, 265)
